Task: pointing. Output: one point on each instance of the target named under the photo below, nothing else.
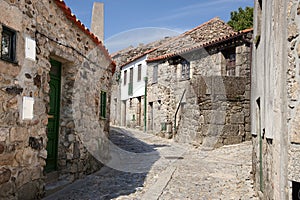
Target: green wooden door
(53, 115)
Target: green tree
(241, 19)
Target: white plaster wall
(138, 86)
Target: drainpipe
(145, 105)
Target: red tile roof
(69, 15)
(207, 32)
(128, 55)
(186, 50)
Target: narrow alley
(179, 172)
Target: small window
(130, 89)
(131, 75)
(230, 57)
(155, 74)
(8, 44)
(139, 72)
(125, 77)
(103, 104)
(185, 70)
(130, 85)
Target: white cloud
(137, 36)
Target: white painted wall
(138, 86)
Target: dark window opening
(8, 44)
(185, 70)
(230, 57)
(139, 72)
(125, 77)
(296, 190)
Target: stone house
(199, 86)
(275, 98)
(55, 80)
(128, 88)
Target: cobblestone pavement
(179, 172)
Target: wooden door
(53, 116)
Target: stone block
(27, 157)
(4, 133)
(230, 130)
(18, 134)
(237, 118)
(218, 86)
(24, 177)
(215, 130)
(7, 190)
(295, 137)
(5, 175)
(7, 159)
(2, 148)
(31, 190)
(218, 117)
(292, 31)
(232, 140)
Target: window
(130, 86)
(155, 74)
(131, 75)
(103, 104)
(139, 72)
(185, 70)
(8, 44)
(230, 57)
(125, 77)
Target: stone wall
(215, 109)
(135, 113)
(23, 142)
(221, 113)
(274, 95)
(293, 87)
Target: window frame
(130, 84)
(230, 57)
(103, 103)
(155, 74)
(12, 34)
(139, 77)
(125, 77)
(185, 70)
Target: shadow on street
(109, 183)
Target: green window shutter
(103, 105)
(130, 88)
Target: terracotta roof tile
(69, 15)
(130, 54)
(205, 33)
(202, 45)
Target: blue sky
(130, 22)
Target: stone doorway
(150, 118)
(123, 113)
(53, 116)
(139, 112)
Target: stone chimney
(97, 25)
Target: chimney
(97, 25)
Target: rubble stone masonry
(23, 142)
(293, 88)
(215, 109)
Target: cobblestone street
(179, 172)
